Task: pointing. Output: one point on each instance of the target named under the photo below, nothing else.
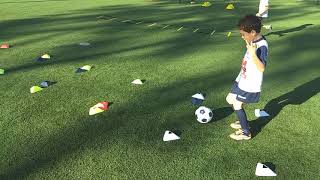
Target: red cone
(104, 105)
(4, 46)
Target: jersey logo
(242, 97)
(244, 69)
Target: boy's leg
(231, 98)
(242, 117)
(244, 133)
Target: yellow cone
(35, 89)
(230, 7)
(206, 4)
(86, 67)
(95, 110)
(45, 56)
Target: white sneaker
(240, 136)
(236, 125)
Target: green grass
(49, 135)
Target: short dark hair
(249, 23)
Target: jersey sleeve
(262, 53)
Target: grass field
(49, 135)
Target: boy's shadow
(283, 32)
(296, 97)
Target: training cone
(98, 108)
(45, 56)
(170, 136)
(260, 113)
(230, 7)
(137, 81)
(103, 105)
(40, 59)
(84, 44)
(86, 67)
(263, 170)
(46, 84)
(206, 4)
(198, 96)
(197, 99)
(95, 110)
(35, 89)
(1, 71)
(4, 46)
(79, 70)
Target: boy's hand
(251, 47)
(258, 15)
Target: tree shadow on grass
(284, 32)
(295, 97)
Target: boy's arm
(258, 63)
(252, 51)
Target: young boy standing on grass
(247, 86)
(263, 12)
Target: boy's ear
(253, 32)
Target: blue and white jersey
(250, 78)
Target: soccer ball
(203, 114)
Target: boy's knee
(231, 98)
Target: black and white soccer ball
(203, 114)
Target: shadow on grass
(221, 113)
(34, 30)
(284, 32)
(296, 97)
(137, 122)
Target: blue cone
(79, 70)
(196, 101)
(45, 84)
(40, 59)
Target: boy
(247, 86)
(263, 12)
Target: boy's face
(249, 37)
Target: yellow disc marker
(230, 7)
(206, 4)
(86, 67)
(35, 89)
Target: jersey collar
(262, 38)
